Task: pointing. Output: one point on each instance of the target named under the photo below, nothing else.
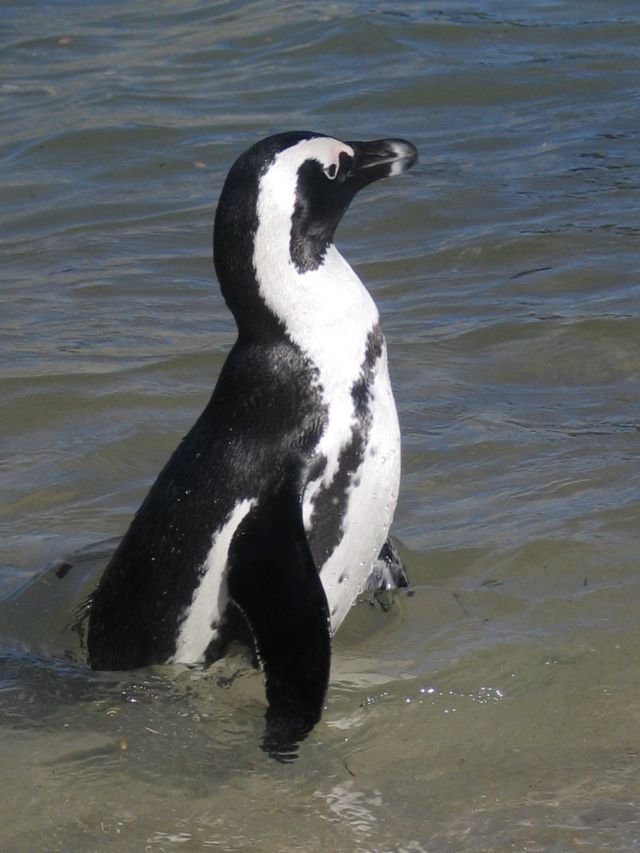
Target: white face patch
(332, 168)
(210, 596)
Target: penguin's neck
(327, 312)
(323, 307)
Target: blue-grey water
(495, 706)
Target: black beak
(381, 158)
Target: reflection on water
(354, 807)
(493, 706)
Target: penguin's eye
(331, 171)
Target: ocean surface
(496, 704)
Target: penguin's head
(296, 186)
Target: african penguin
(274, 510)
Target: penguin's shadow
(47, 614)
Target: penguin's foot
(388, 571)
(285, 729)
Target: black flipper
(274, 581)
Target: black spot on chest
(361, 390)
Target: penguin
(273, 513)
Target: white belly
(371, 500)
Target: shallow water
(494, 706)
